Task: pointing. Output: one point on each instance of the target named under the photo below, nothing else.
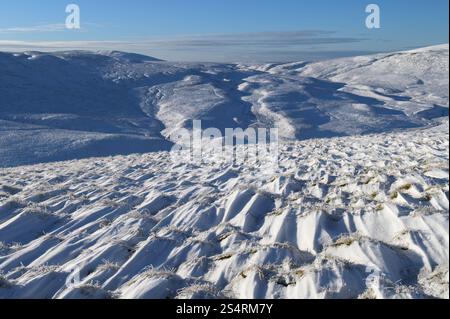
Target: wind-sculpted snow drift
(341, 218)
(357, 207)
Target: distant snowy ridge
(78, 104)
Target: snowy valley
(73, 105)
(358, 207)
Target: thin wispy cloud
(57, 27)
(46, 28)
(256, 39)
(228, 46)
(210, 40)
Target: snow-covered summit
(84, 54)
(129, 57)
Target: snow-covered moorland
(358, 207)
(72, 105)
(141, 226)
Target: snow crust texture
(353, 217)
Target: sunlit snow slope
(341, 218)
(358, 207)
(71, 105)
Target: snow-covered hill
(342, 218)
(78, 104)
(358, 207)
(410, 81)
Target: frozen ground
(357, 209)
(336, 212)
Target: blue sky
(225, 30)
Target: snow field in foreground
(345, 217)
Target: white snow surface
(358, 207)
(141, 226)
(77, 104)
